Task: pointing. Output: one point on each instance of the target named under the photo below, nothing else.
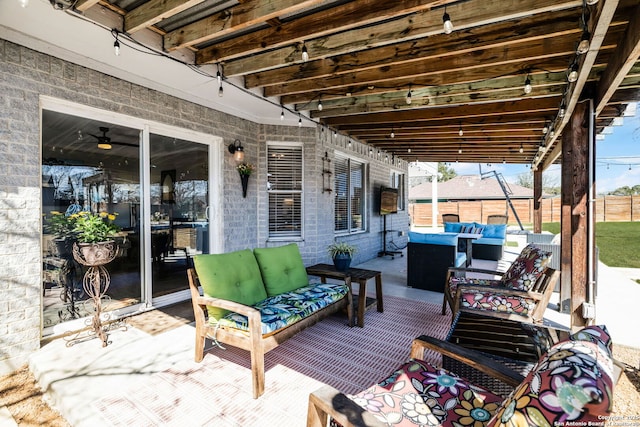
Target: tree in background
(445, 173)
(625, 191)
(550, 184)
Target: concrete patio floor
(75, 377)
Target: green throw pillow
(282, 268)
(233, 276)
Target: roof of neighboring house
(469, 187)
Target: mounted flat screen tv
(388, 200)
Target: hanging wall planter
(244, 169)
(245, 182)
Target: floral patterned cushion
(595, 333)
(527, 268)
(490, 301)
(419, 394)
(455, 281)
(285, 309)
(571, 385)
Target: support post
(575, 213)
(537, 201)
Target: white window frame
(284, 236)
(398, 181)
(364, 167)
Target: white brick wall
(26, 74)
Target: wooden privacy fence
(608, 208)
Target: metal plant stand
(95, 283)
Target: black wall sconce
(237, 150)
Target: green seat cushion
(282, 268)
(234, 276)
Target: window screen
(284, 187)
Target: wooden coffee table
(359, 275)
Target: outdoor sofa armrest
(465, 288)
(236, 307)
(328, 402)
(470, 357)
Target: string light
(393, 134)
(573, 73)
(220, 91)
(459, 149)
(299, 120)
(282, 114)
(527, 85)
(460, 132)
(583, 46)
(545, 128)
(116, 44)
(319, 104)
(521, 148)
(408, 99)
(219, 75)
(562, 110)
(305, 52)
(592, 2)
(446, 22)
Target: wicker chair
(497, 219)
(419, 393)
(522, 292)
(450, 218)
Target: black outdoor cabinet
(427, 265)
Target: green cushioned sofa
(257, 299)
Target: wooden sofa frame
(252, 340)
(540, 292)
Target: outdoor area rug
(217, 392)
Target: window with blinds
(349, 195)
(284, 188)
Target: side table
(467, 241)
(359, 275)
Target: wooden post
(537, 201)
(574, 217)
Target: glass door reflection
(179, 208)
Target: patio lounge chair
(573, 381)
(521, 293)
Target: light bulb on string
(583, 46)
(282, 114)
(393, 134)
(562, 110)
(592, 2)
(446, 22)
(408, 98)
(521, 148)
(459, 149)
(460, 132)
(116, 47)
(299, 120)
(545, 128)
(320, 105)
(219, 75)
(305, 52)
(527, 85)
(573, 73)
(220, 91)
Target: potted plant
(341, 253)
(94, 235)
(61, 227)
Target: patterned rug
(217, 392)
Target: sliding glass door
(154, 178)
(178, 210)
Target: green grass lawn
(618, 242)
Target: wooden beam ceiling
(366, 56)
